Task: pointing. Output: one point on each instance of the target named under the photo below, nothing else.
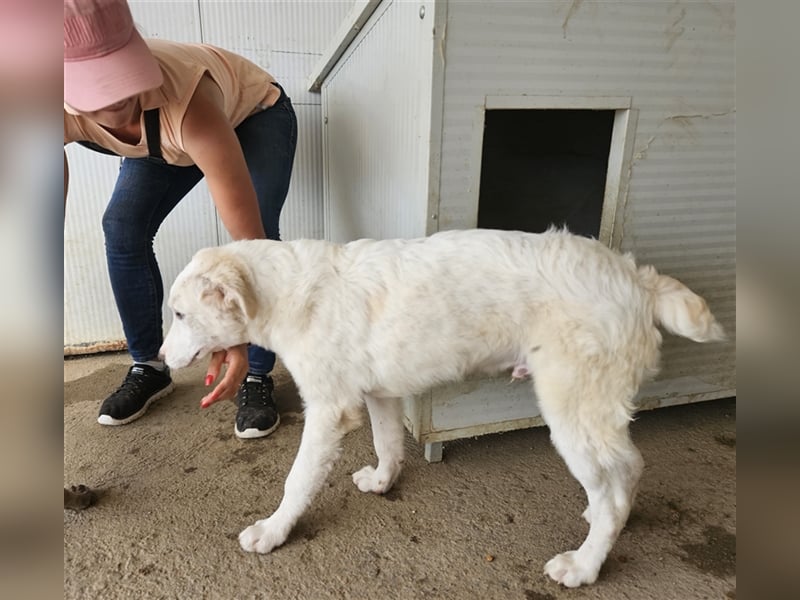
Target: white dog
(370, 322)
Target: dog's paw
(369, 480)
(262, 537)
(568, 571)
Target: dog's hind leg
(324, 428)
(610, 496)
(386, 418)
(589, 428)
(625, 477)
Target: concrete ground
(178, 486)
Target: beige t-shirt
(244, 85)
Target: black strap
(152, 131)
(96, 147)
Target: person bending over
(175, 113)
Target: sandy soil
(177, 487)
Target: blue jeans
(146, 192)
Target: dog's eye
(178, 315)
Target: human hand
(237, 364)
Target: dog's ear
(227, 284)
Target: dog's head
(212, 300)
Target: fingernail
(209, 379)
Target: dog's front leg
(319, 449)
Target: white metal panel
(676, 63)
(287, 38)
(359, 14)
(376, 109)
(167, 19)
(89, 315)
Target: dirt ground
(177, 487)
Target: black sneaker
(257, 415)
(143, 384)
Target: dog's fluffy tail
(679, 309)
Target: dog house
(614, 119)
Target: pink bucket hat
(105, 58)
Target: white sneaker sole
(249, 434)
(109, 420)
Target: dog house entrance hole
(544, 167)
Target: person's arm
(209, 138)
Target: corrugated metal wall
(376, 105)
(676, 61)
(286, 38)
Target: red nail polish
(209, 379)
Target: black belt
(153, 132)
